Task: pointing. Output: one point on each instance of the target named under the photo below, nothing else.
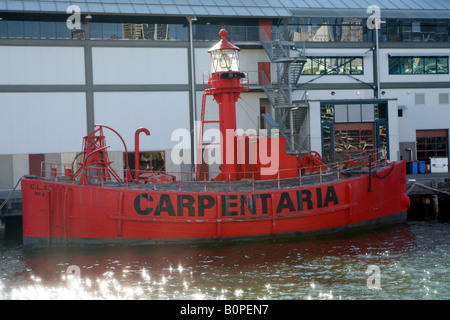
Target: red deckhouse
(89, 203)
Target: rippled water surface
(404, 262)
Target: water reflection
(412, 260)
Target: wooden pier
(10, 213)
(430, 196)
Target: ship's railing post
(300, 177)
(179, 181)
(253, 181)
(204, 182)
(320, 174)
(278, 180)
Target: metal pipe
(136, 150)
(194, 100)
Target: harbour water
(405, 262)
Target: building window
(333, 66)
(417, 30)
(352, 129)
(327, 29)
(418, 65)
(431, 143)
(352, 140)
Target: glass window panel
(62, 32)
(420, 146)
(96, 30)
(344, 66)
(327, 112)
(406, 65)
(327, 152)
(357, 66)
(321, 65)
(3, 29)
(406, 30)
(340, 113)
(383, 136)
(418, 65)
(442, 65)
(442, 27)
(421, 140)
(430, 65)
(48, 30)
(331, 65)
(367, 113)
(394, 65)
(381, 111)
(111, 31)
(307, 69)
(354, 113)
(178, 32)
(15, 29)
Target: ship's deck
(246, 185)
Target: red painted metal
(75, 211)
(225, 87)
(55, 212)
(136, 149)
(223, 44)
(312, 162)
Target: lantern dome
(224, 55)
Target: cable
(10, 194)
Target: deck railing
(185, 180)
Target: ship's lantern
(224, 55)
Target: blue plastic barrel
(421, 166)
(413, 167)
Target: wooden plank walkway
(428, 184)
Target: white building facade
(143, 65)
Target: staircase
(291, 115)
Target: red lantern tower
(225, 84)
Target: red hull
(63, 214)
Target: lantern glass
(224, 60)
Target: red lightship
(251, 199)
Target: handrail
(334, 171)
